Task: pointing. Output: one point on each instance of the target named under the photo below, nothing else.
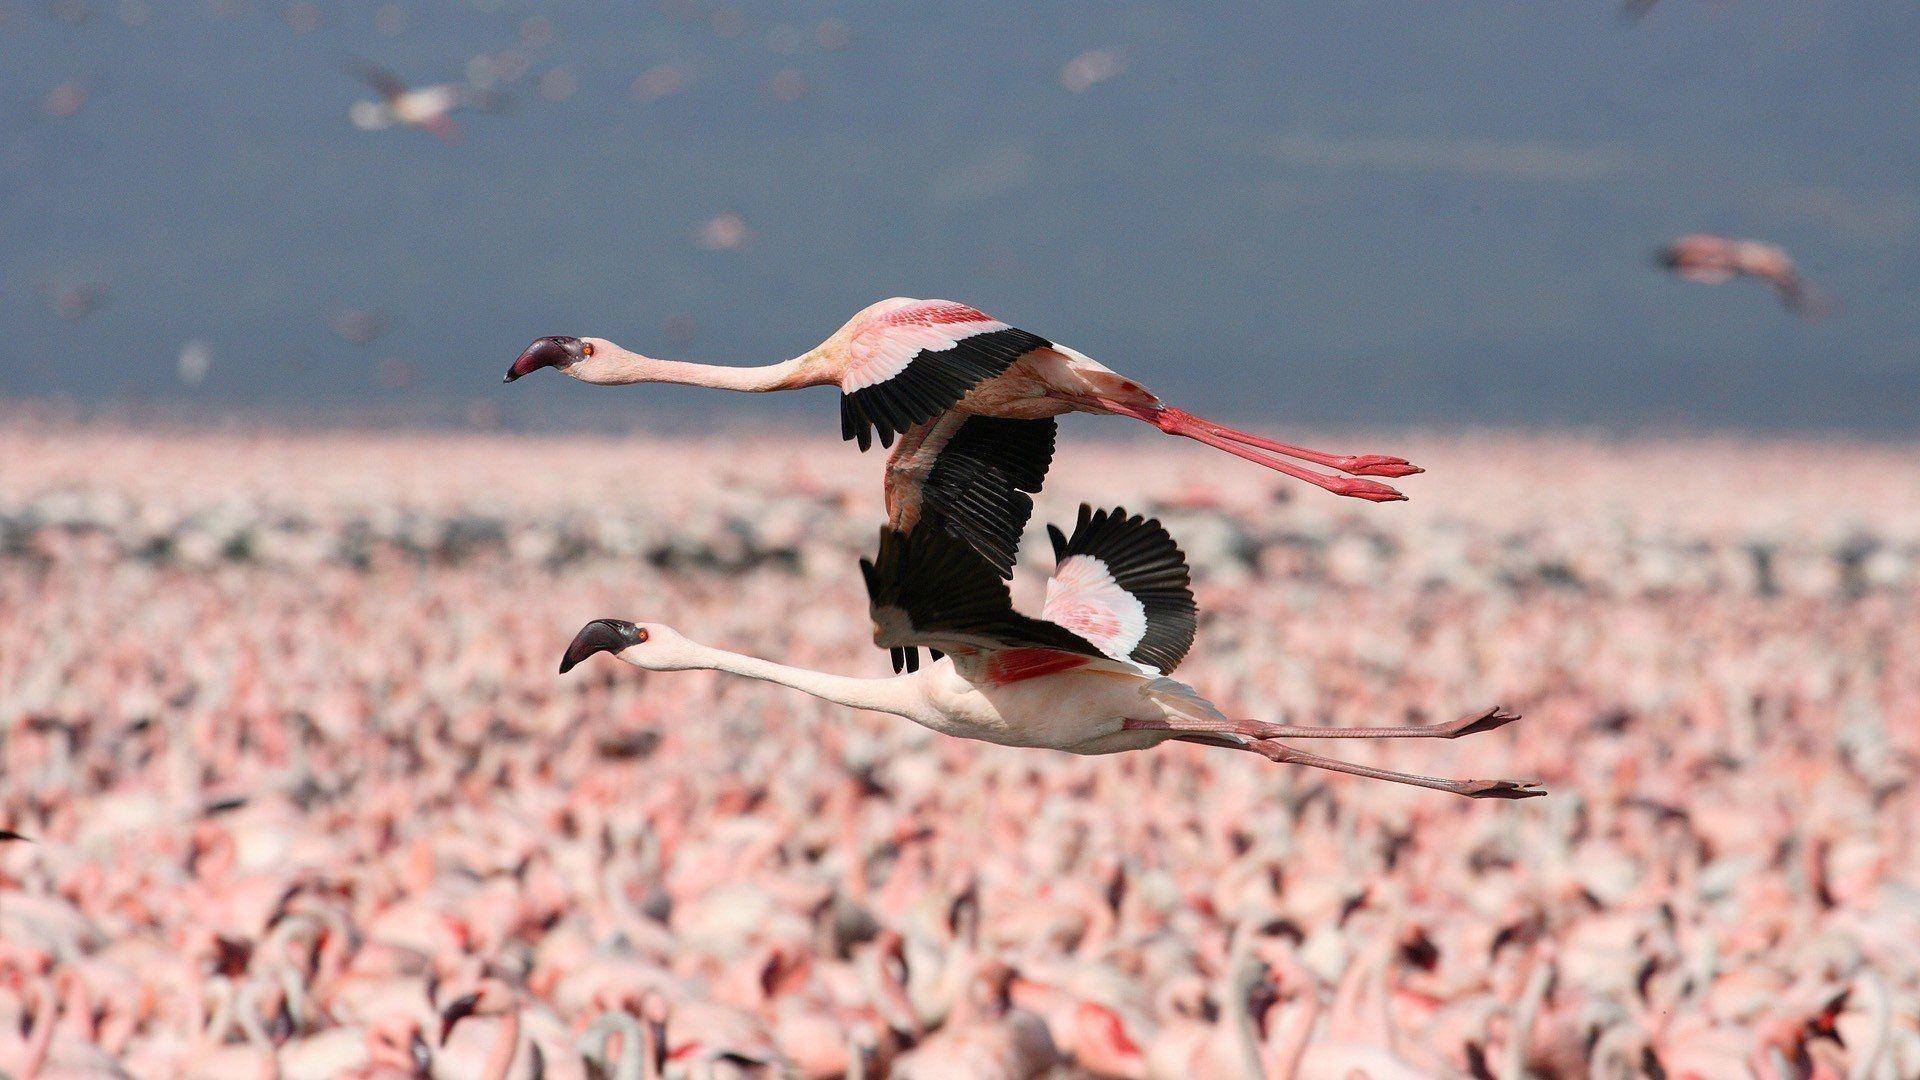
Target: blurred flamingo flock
(275, 823)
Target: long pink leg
(1353, 464)
(1487, 720)
(1287, 755)
(1177, 423)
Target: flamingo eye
(586, 348)
(640, 634)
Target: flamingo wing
(928, 589)
(974, 475)
(910, 361)
(384, 82)
(1122, 583)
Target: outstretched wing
(384, 82)
(975, 476)
(1122, 583)
(910, 360)
(928, 589)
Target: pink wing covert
(908, 361)
(888, 339)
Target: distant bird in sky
(67, 99)
(1714, 260)
(429, 108)
(194, 362)
(357, 325)
(1086, 677)
(76, 301)
(973, 401)
(725, 231)
(1089, 69)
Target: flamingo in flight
(1086, 677)
(429, 108)
(1715, 260)
(972, 401)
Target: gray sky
(1378, 213)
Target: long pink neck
(623, 367)
(881, 695)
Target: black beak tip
(459, 1010)
(556, 351)
(600, 635)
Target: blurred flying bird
(1089, 69)
(428, 108)
(725, 231)
(973, 401)
(195, 360)
(1087, 677)
(75, 302)
(359, 326)
(1714, 260)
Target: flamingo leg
(1487, 720)
(1175, 422)
(1287, 755)
(1352, 464)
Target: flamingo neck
(622, 367)
(881, 695)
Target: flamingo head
(554, 352)
(644, 645)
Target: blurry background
(289, 784)
(1378, 213)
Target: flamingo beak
(458, 1010)
(600, 635)
(546, 352)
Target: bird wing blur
(383, 82)
(908, 362)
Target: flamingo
(1086, 677)
(972, 401)
(429, 108)
(1715, 260)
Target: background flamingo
(1715, 260)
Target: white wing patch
(1083, 597)
(881, 352)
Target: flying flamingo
(1715, 260)
(973, 402)
(1086, 677)
(429, 108)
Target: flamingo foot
(1501, 789)
(1355, 488)
(1375, 465)
(1490, 720)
